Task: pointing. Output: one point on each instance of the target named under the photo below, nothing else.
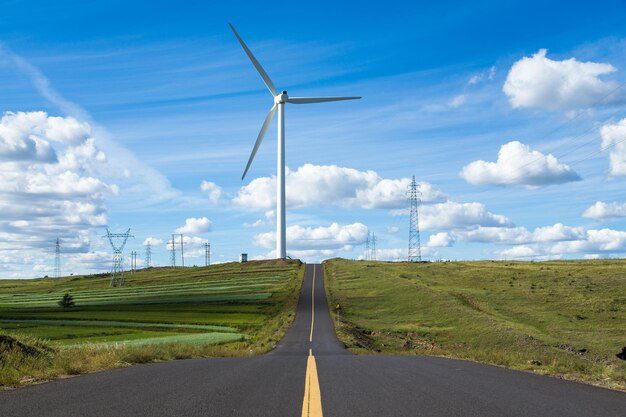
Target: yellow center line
(312, 403)
(312, 305)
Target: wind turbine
(279, 104)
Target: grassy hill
(565, 318)
(159, 314)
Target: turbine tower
(279, 104)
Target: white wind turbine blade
(259, 139)
(257, 65)
(307, 100)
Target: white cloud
(213, 190)
(458, 101)
(496, 235)
(440, 240)
(540, 82)
(614, 138)
(195, 225)
(153, 241)
(557, 232)
(393, 229)
(592, 256)
(518, 165)
(45, 198)
(333, 237)
(601, 211)
(452, 215)
(521, 235)
(258, 223)
(474, 79)
(575, 240)
(328, 185)
(521, 251)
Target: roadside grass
(159, 314)
(562, 318)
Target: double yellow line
(312, 403)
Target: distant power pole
(367, 246)
(173, 252)
(57, 259)
(148, 255)
(207, 254)
(182, 252)
(415, 248)
(133, 261)
(373, 247)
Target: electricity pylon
(117, 272)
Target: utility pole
(415, 249)
(367, 246)
(182, 252)
(133, 260)
(57, 259)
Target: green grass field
(565, 318)
(159, 313)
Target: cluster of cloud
(331, 185)
(591, 243)
(602, 211)
(452, 215)
(214, 191)
(614, 138)
(541, 82)
(485, 75)
(517, 164)
(332, 237)
(50, 182)
(195, 225)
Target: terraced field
(159, 313)
(156, 304)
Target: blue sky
(151, 110)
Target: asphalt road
(309, 373)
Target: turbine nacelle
(281, 98)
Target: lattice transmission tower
(173, 253)
(415, 248)
(57, 259)
(207, 254)
(148, 255)
(117, 272)
(373, 247)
